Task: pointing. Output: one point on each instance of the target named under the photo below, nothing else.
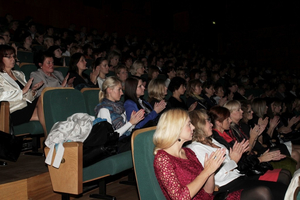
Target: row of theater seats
(60, 103)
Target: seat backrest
(59, 103)
(143, 157)
(25, 56)
(27, 69)
(64, 70)
(91, 98)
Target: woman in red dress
(178, 171)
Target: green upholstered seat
(27, 69)
(88, 71)
(67, 60)
(143, 157)
(91, 98)
(61, 103)
(32, 127)
(62, 69)
(37, 47)
(89, 63)
(25, 56)
(111, 165)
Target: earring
(179, 139)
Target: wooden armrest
(4, 116)
(68, 177)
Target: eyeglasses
(10, 56)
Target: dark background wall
(267, 33)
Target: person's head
(177, 84)
(87, 49)
(275, 107)
(180, 73)
(236, 113)
(173, 125)
(194, 87)
(7, 57)
(32, 27)
(57, 40)
(113, 58)
(45, 62)
(170, 72)
(219, 91)
(5, 34)
(48, 41)
(247, 110)
(121, 72)
(75, 49)
(241, 89)
(56, 51)
(215, 76)
(77, 62)
(50, 30)
(2, 41)
(153, 72)
(160, 62)
(14, 25)
(111, 89)
(232, 86)
(194, 74)
(26, 39)
(102, 65)
(137, 68)
(134, 88)
(128, 61)
(220, 117)
(157, 89)
(203, 76)
(39, 37)
(208, 88)
(202, 124)
(281, 87)
(259, 107)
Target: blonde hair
(156, 89)
(192, 84)
(109, 82)
(232, 105)
(169, 127)
(198, 119)
(259, 107)
(135, 66)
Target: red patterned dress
(174, 174)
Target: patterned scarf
(116, 109)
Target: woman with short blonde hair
(156, 90)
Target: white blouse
(227, 171)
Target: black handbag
(10, 146)
(101, 143)
(250, 165)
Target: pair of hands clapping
(34, 88)
(238, 149)
(214, 161)
(160, 106)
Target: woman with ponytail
(112, 109)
